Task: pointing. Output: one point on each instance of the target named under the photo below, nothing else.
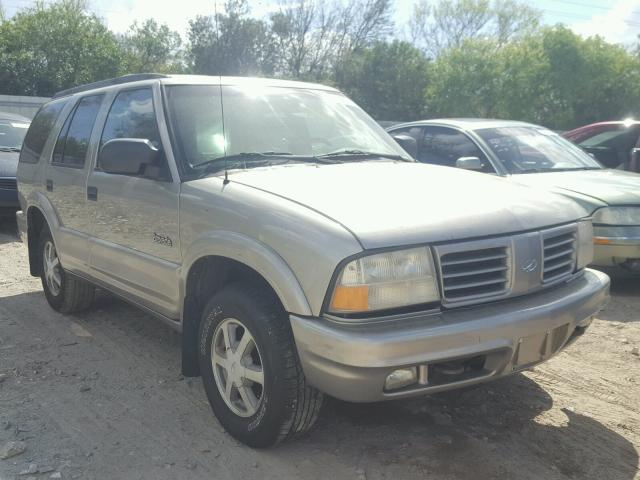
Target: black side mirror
(128, 156)
(408, 143)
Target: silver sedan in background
(535, 156)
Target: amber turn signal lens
(350, 299)
(601, 241)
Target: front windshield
(12, 133)
(535, 149)
(278, 121)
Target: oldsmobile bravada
(297, 247)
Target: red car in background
(614, 144)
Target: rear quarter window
(39, 131)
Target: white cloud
(620, 24)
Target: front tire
(250, 368)
(65, 293)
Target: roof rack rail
(135, 77)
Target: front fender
(254, 254)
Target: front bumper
(351, 362)
(9, 199)
(614, 245)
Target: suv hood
(385, 203)
(612, 187)
(8, 164)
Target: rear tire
(64, 292)
(259, 344)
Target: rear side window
(39, 131)
(73, 141)
(132, 116)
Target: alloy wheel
(52, 268)
(237, 367)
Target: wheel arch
(220, 258)
(38, 215)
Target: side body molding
(254, 254)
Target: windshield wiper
(9, 149)
(548, 170)
(355, 153)
(255, 158)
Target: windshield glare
(12, 133)
(296, 121)
(535, 149)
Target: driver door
(135, 240)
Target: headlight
(385, 280)
(585, 244)
(617, 216)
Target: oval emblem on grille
(530, 266)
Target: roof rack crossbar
(135, 77)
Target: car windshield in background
(12, 134)
(533, 149)
(266, 125)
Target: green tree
(51, 47)
(554, 77)
(447, 24)
(466, 81)
(388, 80)
(230, 43)
(151, 47)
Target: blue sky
(616, 20)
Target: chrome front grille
(559, 255)
(474, 274)
(8, 184)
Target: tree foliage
(314, 37)
(554, 77)
(388, 80)
(230, 43)
(151, 47)
(48, 48)
(447, 24)
(487, 58)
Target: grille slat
(475, 284)
(8, 184)
(559, 256)
(563, 253)
(472, 274)
(555, 242)
(472, 259)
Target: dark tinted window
(39, 131)
(132, 116)
(611, 145)
(444, 146)
(73, 141)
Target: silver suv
(295, 245)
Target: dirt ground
(100, 396)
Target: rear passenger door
(66, 181)
(135, 239)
